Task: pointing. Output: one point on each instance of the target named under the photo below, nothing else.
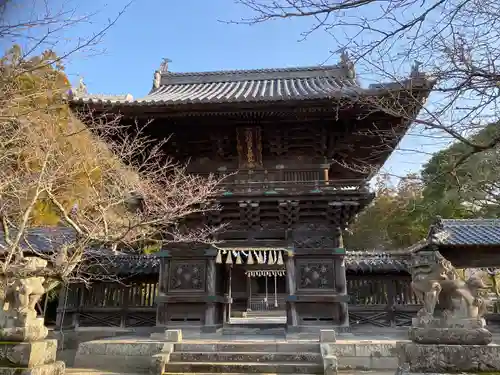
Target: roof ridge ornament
(346, 63)
(157, 75)
(415, 69)
(164, 65)
(81, 89)
(156, 80)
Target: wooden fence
(381, 300)
(108, 304)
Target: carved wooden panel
(187, 275)
(289, 212)
(314, 240)
(249, 147)
(249, 214)
(317, 274)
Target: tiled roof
(239, 86)
(43, 240)
(465, 232)
(51, 239)
(377, 262)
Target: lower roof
(461, 233)
(357, 262)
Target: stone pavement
(84, 371)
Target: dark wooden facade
(378, 286)
(299, 146)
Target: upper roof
(245, 86)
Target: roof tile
(245, 86)
(466, 232)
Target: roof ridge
(252, 71)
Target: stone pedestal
(450, 331)
(418, 358)
(448, 345)
(33, 358)
(24, 328)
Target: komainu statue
(21, 288)
(435, 281)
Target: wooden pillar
(79, 305)
(249, 291)
(292, 320)
(229, 296)
(326, 177)
(210, 310)
(341, 288)
(64, 298)
(161, 304)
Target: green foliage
(394, 220)
(469, 188)
(449, 186)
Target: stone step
(238, 347)
(255, 373)
(256, 314)
(245, 367)
(245, 357)
(257, 331)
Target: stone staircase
(263, 329)
(244, 358)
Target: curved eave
(358, 263)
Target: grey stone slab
(384, 363)
(56, 368)
(452, 336)
(28, 354)
(343, 350)
(117, 348)
(284, 368)
(327, 335)
(245, 357)
(376, 350)
(173, 335)
(354, 363)
(330, 365)
(139, 364)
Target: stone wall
(365, 355)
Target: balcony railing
(285, 179)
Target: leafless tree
(72, 191)
(455, 41)
(110, 184)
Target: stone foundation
(448, 358)
(23, 358)
(452, 331)
(363, 355)
(450, 336)
(122, 356)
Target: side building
(299, 146)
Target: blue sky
(190, 34)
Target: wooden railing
(109, 305)
(258, 303)
(284, 179)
